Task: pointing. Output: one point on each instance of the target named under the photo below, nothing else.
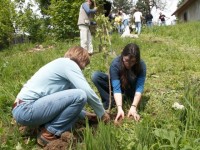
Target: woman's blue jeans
(100, 80)
(57, 112)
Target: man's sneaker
(44, 137)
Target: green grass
(173, 75)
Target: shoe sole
(41, 141)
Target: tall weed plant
(104, 137)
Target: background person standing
(162, 19)
(125, 20)
(138, 20)
(84, 23)
(148, 19)
(118, 22)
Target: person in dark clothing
(149, 18)
(162, 19)
(127, 76)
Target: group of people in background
(121, 22)
(138, 20)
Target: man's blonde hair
(79, 55)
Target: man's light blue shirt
(58, 75)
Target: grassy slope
(173, 75)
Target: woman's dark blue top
(136, 82)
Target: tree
(59, 17)
(27, 22)
(146, 6)
(7, 14)
(63, 17)
(124, 5)
(143, 6)
(44, 5)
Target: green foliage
(44, 5)
(172, 140)
(186, 29)
(143, 6)
(102, 31)
(64, 17)
(146, 6)
(7, 13)
(191, 116)
(30, 24)
(104, 139)
(122, 5)
(59, 20)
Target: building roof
(183, 6)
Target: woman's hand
(120, 115)
(133, 112)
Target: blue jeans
(124, 24)
(100, 80)
(57, 112)
(138, 27)
(119, 29)
(163, 23)
(149, 23)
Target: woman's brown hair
(79, 55)
(132, 51)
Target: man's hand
(133, 112)
(91, 117)
(95, 8)
(105, 118)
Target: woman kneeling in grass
(54, 97)
(127, 76)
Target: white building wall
(192, 12)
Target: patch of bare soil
(40, 48)
(62, 143)
(56, 145)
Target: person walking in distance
(138, 20)
(84, 21)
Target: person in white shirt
(137, 16)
